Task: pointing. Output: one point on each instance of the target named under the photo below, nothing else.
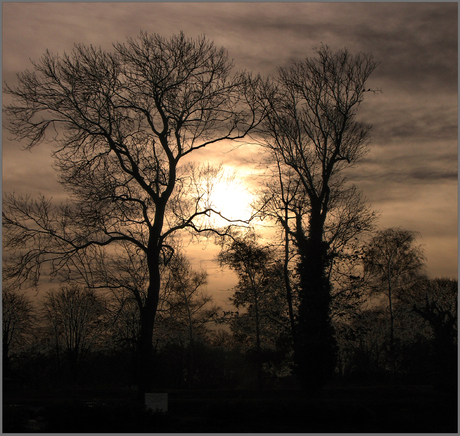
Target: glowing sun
(232, 200)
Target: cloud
(416, 44)
(430, 175)
(390, 166)
(29, 172)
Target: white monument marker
(157, 402)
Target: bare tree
(17, 321)
(76, 318)
(121, 123)
(283, 200)
(436, 301)
(260, 291)
(393, 264)
(187, 309)
(184, 295)
(312, 128)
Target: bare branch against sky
(410, 174)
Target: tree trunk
(145, 362)
(191, 344)
(148, 313)
(287, 281)
(258, 348)
(315, 347)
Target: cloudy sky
(410, 174)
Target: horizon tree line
(72, 326)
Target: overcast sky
(410, 174)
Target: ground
(341, 409)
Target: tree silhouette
(17, 321)
(121, 123)
(186, 308)
(393, 263)
(76, 318)
(311, 128)
(260, 290)
(436, 302)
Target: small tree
(361, 342)
(75, 318)
(124, 331)
(393, 263)
(186, 309)
(17, 321)
(436, 302)
(260, 290)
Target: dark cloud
(430, 175)
(394, 167)
(416, 44)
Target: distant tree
(186, 310)
(436, 302)
(260, 292)
(183, 312)
(122, 123)
(76, 321)
(362, 344)
(18, 316)
(311, 127)
(222, 338)
(393, 263)
(124, 330)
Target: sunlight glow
(232, 200)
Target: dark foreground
(372, 409)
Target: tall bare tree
(121, 123)
(282, 200)
(312, 128)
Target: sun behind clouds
(232, 200)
